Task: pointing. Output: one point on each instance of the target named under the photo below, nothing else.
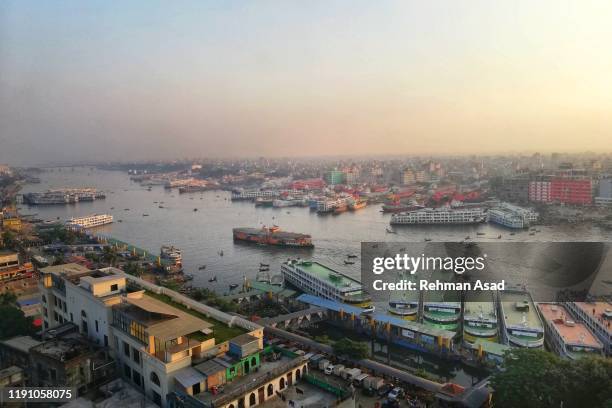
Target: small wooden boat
(481, 233)
(349, 262)
(390, 231)
(351, 256)
(427, 239)
(213, 279)
(264, 265)
(233, 286)
(195, 209)
(201, 267)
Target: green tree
(353, 349)
(8, 239)
(538, 379)
(110, 255)
(8, 299)
(14, 323)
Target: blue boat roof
(379, 317)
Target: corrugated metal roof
(188, 376)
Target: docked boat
(442, 308)
(521, 322)
(233, 286)
(405, 303)
(319, 280)
(440, 216)
(565, 336)
(272, 236)
(512, 216)
(398, 207)
(89, 221)
(358, 205)
(479, 317)
(340, 208)
(264, 202)
(172, 254)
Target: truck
(374, 383)
(338, 369)
(358, 381)
(350, 374)
(323, 364)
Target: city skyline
(96, 82)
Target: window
(44, 299)
(83, 314)
(96, 326)
(157, 398)
(114, 287)
(84, 327)
(127, 371)
(270, 390)
(252, 399)
(196, 389)
(137, 378)
(136, 356)
(126, 349)
(154, 378)
(105, 340)
(71, 317)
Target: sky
(136, 80)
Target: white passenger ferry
(441, 216)
(90, 221)
(512, 216)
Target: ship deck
(276, 234)
(577, 333)
(323, 272)
(513, 316)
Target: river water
(203, 234)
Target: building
(565, 336)
(151, 340)
(15, 276)
(598, 318)
(604, 193)
(539, 191)
(12, 224)
(70, 361)
(514, 189)
(571, 191)
(408, 177)
(334, 177)
(12, 376)
(16, 352)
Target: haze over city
(99, 81)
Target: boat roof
(600, 311)
(329, 275)
(571, 332)
(514, 317)
(478, 302)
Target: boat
(565, 336)
(160, 206)
(427, 239)
(442, 308)
(390, 231)
(479, 317)
(404, 303)
(440, 216)
(220, 253)
(188, 277)
(233, 286)
(358, 205)
(263, 264)
(397, 207)
(264, 202)
(195, 209)
(171, 254)
(512, 216)
(521, 322)
(351, 256)
(481, 233)
(89, 221)
(145, 215)
(213, 279)
(349, 262)
(201, 267)
(272, 236)
(263, 268)
(319, 280)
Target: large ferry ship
(512, 216)
(405, 303)
(319, 280)
(565, 336)
(252, 195)
(479, 317)
(440, 216)
(89, 221)
(172, 254)
(63, 196)
(272, 236)
(521, 322)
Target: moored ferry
(512, 216)
(90, 221)
(565, 336)
(172, 254)
(319, 280)
(404, 304)
(358, 205)
(272, 236)
(479, 317)
(521, 322)
(440, 216)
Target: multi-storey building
(604, 194)
(334, 177)
(408, 177)
(15, 276)
(571, 191)
(539, 191)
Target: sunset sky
(137, 80)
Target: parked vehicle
(359, 380)
(329, 369)
(338, 369)
(395, 393)
(323, 364)
(350, 373)
(374, 383)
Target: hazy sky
(96, 80)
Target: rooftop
(21, 343)
(329, 275)
(244, 339)
(571, 332)
(64, 349)
(162, 320)
(69, 269)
